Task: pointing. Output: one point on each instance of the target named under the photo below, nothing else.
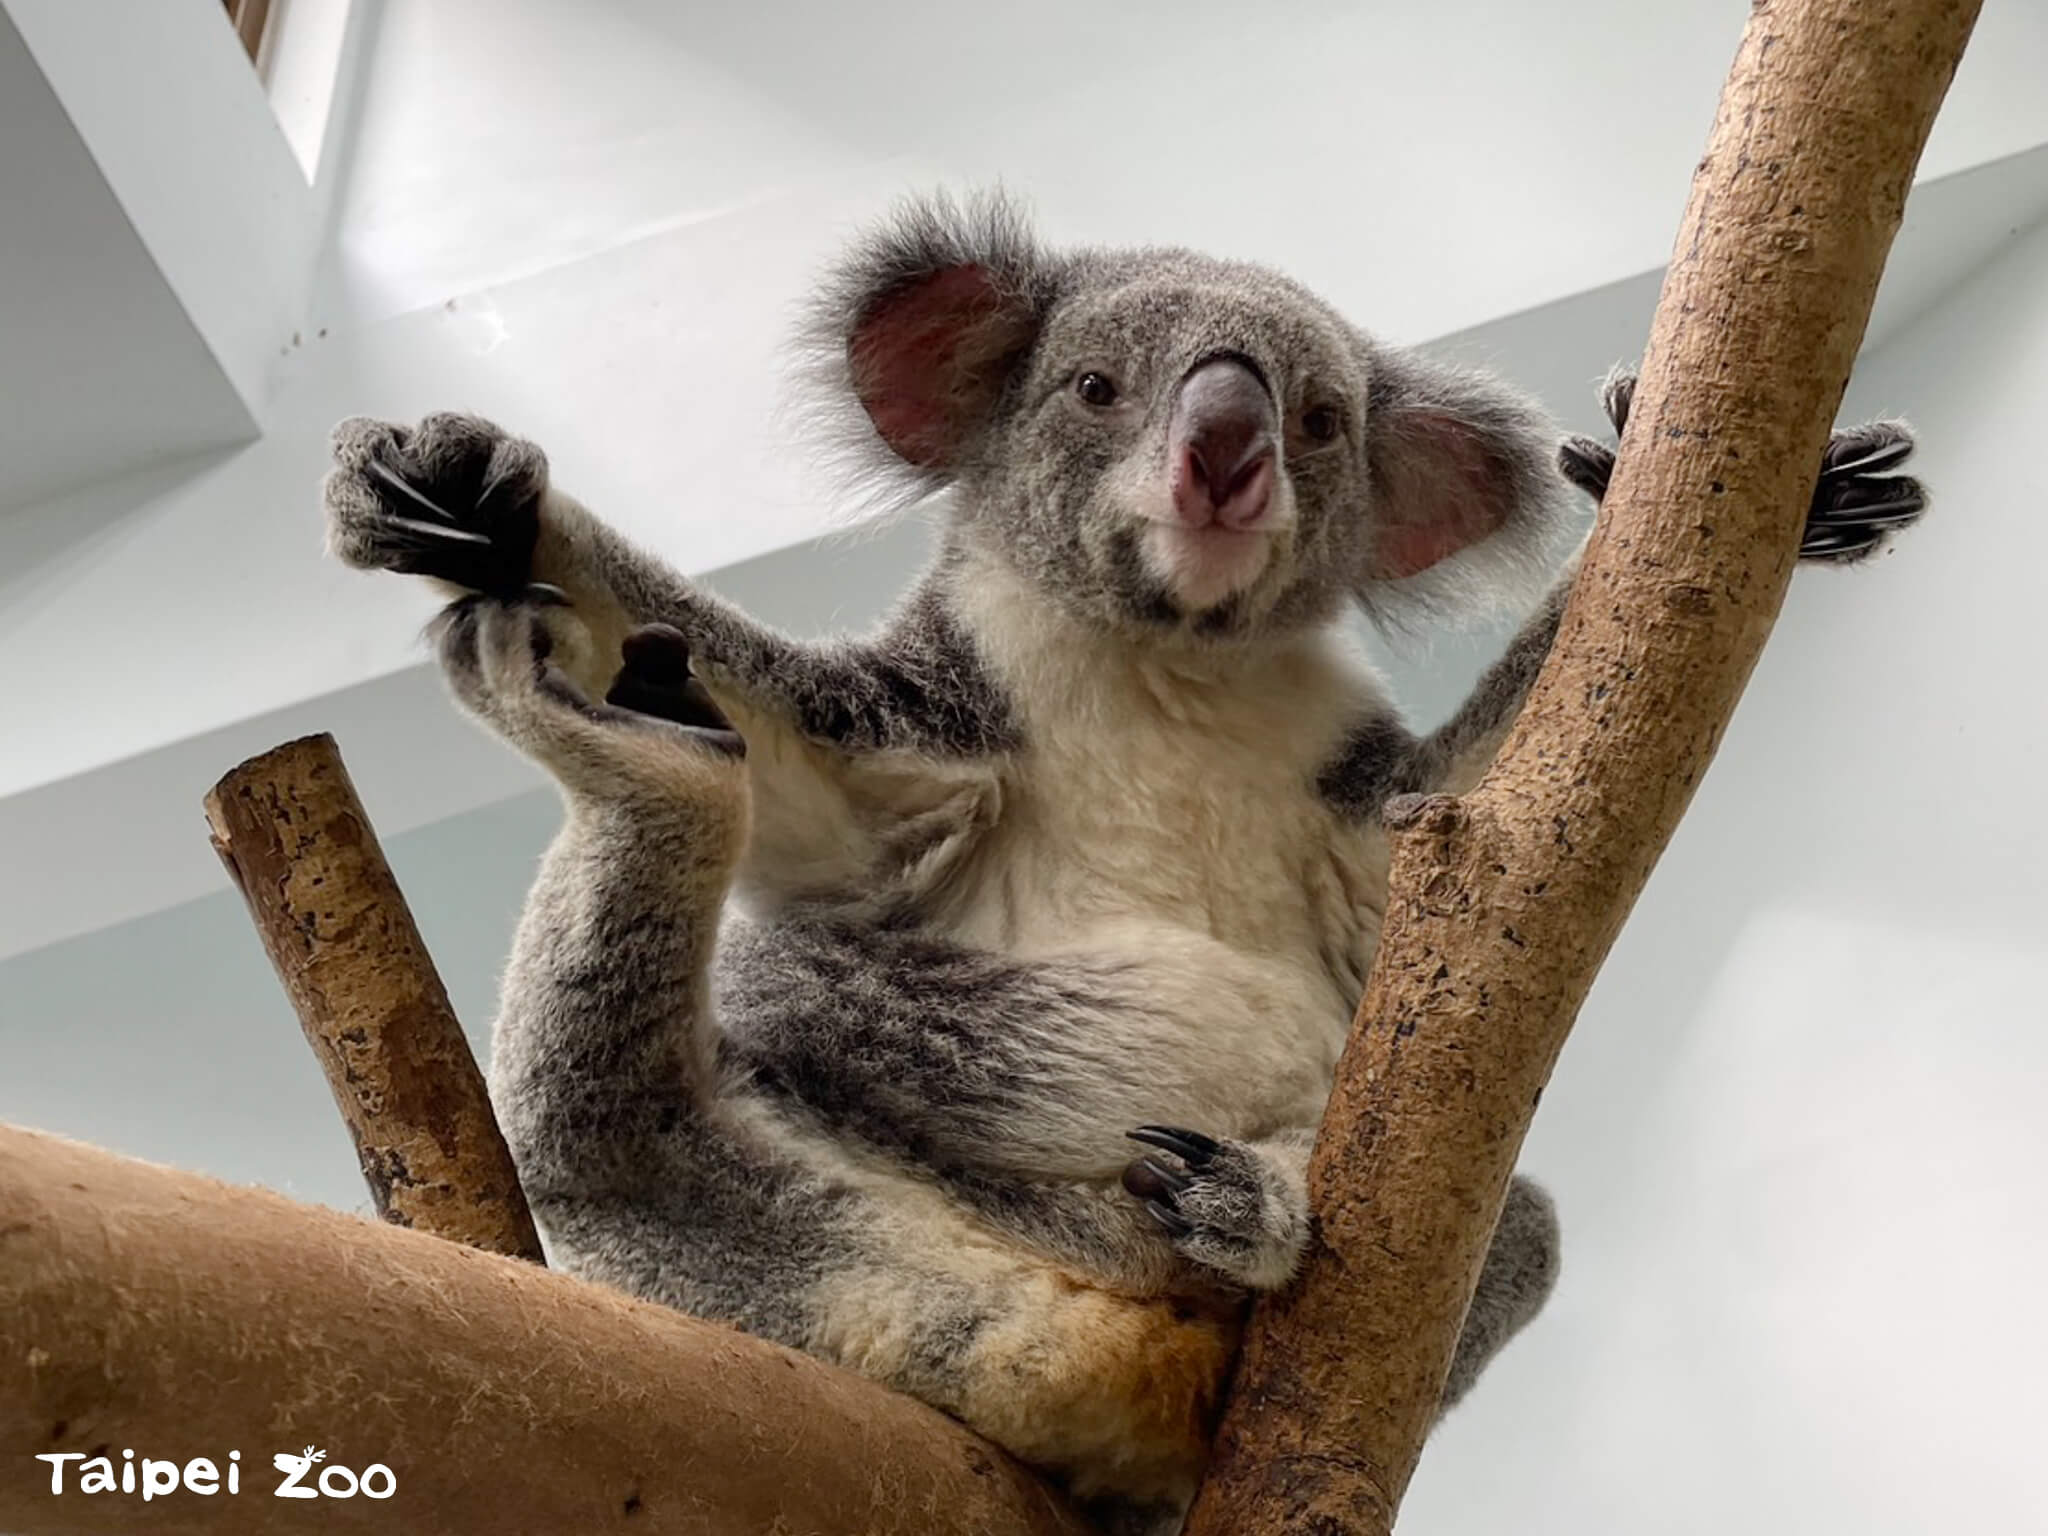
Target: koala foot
(656, 740)
(1858, 502)
(454, 498)
(1230, 1206)
(655, 679)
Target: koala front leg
(470, 507)
(1859, 502)
(1243, 1211)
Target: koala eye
(1095, 389)
(1320, 423)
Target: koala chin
(958, 1003)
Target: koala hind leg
(604, 1064)
(656, 738)
(1516, 1279)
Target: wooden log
(165, 1313)
(1503, 903)
(292, 833)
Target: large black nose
(1221, 447)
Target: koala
(959, 1003)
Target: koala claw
(1176, 1225)
(1150, 1173)
(1191, 1147)
(410, 492)
(1230, 1207)
(1868, 449)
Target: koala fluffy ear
(933, 311)
(1461, 465)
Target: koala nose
(1220, 445)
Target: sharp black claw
(1617, 397)
(493, 485)
(399, 483)
(1191, 1147)
(1873, 460)
(1866, 517)
(1172, 1178)
(434, 533)
(1847, 543)
(1900, 504)
(1587, 464)
(1169, 1218)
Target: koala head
(1190, 450)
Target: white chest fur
(1163, 814)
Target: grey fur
(888, 1115)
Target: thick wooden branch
(163, 1312)
(1503, 904)
(295, 838)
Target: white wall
(1798, 1136)
(169, 1038)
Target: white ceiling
(593, 222)
(101, 371)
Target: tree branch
(300, 847)
(147, 1309)
(1503, 904)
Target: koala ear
(935, 310)
(1458, 462)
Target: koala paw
(454, 498)
(1858, 502)
(1228, 1206)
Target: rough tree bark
(166, 1313)
(1503, 902)
(296, 840)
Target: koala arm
(862, 754)
(870, 759)
(1858, 503)
(916, 688)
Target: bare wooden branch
(1504, 903)
(293, 834)
(158, 1311)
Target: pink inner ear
(1445, 489)
(913, 356)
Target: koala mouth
(1202, 567)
